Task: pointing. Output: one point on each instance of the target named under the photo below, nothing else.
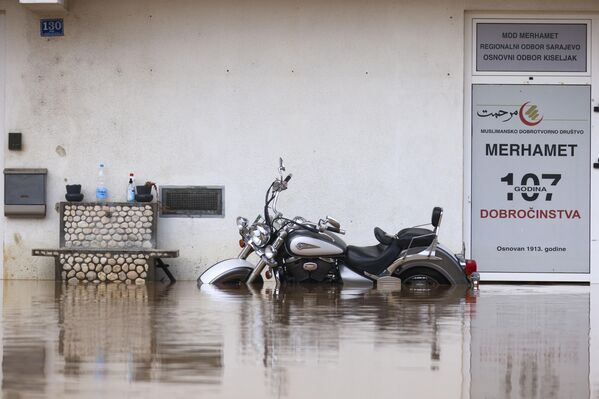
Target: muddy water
(300, 342)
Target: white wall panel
(364, 100)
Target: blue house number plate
(51, 27)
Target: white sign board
(531, 178)
(531, 47)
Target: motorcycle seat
(422, 237)
(382, 237)
(418, 237)
(372, 259)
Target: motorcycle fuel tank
(307, 243)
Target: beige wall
(364, 100)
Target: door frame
(578, 78)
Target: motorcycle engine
(302, 270)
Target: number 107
(531, 192)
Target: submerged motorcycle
(297, 250)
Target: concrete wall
(364, 100)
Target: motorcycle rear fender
(227, 271)
(448, 265)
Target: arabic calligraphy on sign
(528, 114)
(498, 114)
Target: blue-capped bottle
(101, 190)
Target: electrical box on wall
(25, 192)
(15, 141)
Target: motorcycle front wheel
(422, 278)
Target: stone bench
(112, 242)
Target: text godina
(529, 213)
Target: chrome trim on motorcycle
(256, 272)
(245, 252)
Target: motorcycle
(297, 250)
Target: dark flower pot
(144, 190)
(73, 188)
(74, 197)
(144, 197)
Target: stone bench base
(129, 266)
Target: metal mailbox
(25, 192)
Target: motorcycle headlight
(242, 223)
(259, 234)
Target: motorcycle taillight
(470, 266)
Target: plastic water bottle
(131, 188)
(101, 190)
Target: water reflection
(342, 337)
(91, 333)
(115, 324)
(106, 324)
(531, 343)
(319, 341)
(313, 321)
(24, 362)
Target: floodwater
(178, 341)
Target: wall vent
(192, 201)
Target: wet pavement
(504, 341)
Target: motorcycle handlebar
(288, 177)
(335, 230)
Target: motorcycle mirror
(281, 166)
(333, 222)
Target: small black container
(74, 197)
(73, 188)
(144, 190)
(144, 197)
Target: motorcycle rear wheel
(420, 277)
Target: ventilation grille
(192, 201)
